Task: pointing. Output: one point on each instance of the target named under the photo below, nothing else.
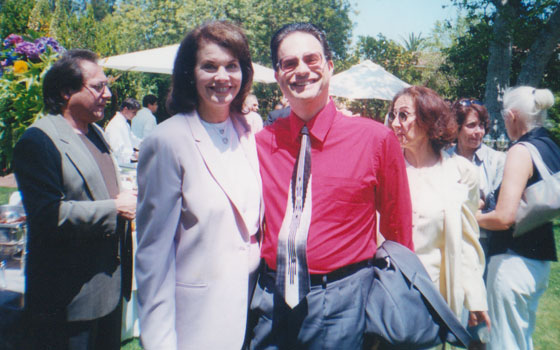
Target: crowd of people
(263, 238)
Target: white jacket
(121, 139)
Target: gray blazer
(73, 265)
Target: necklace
(221, 129)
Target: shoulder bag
(540, 202)
(404, 309)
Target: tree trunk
(499, 64)
(545, 44)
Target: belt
(324, 279)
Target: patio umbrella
(161, 60)
(366, 80)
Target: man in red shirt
(357, 168)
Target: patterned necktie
(292, 275)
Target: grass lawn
(5, 193)
(547, 333)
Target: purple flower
(12, 40)
(28, 49)
(44, 42)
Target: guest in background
(519, 266)
(473, 123)
(250, 109)
(251, 104)
(281, 110)
(200, 200)
(123, 143)
(444, 192)
(145, 121)
(79, 260)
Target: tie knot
(304, 130)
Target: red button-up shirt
(357, 167)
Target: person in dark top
(79, 261)
(519, 266)
(281, 110)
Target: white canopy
(366, 80)
(161, 60)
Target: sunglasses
(290, 63)
(467, 103)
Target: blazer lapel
(249, 146)
(212, 160)
(81, 157)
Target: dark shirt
(277, 114)
(538, 244)
(103, 159)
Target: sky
(396, 19)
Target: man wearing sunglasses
(79, 249)
(324, 178)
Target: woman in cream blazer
(444, 193)
(200, 201)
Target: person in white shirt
(145, 121)
(117, 132)
(250, 109)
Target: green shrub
(22, 67)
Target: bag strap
(407, 261)
(537, 159)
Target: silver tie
(292, 275)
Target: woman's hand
(476, 317)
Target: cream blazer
(193, 257)
(462, 260)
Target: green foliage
(395, 59)
(414, 42)
(14, 15)
(40, 17)
(390, 55)
(467, 56)
(21, 99)
(467, 59)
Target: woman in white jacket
(444, 193)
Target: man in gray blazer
(79, 243)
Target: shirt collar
(318, 126)
(480, 154)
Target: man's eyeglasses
(99, 87)
(468, 102)
(290, 63)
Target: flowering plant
(22, 67)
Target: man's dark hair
(149, 100)
(183, 97)
(288, 29)
(130, 103)
(65, 78)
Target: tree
(523, 40)
(144, 24)
(391, 56)
(414, 42)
